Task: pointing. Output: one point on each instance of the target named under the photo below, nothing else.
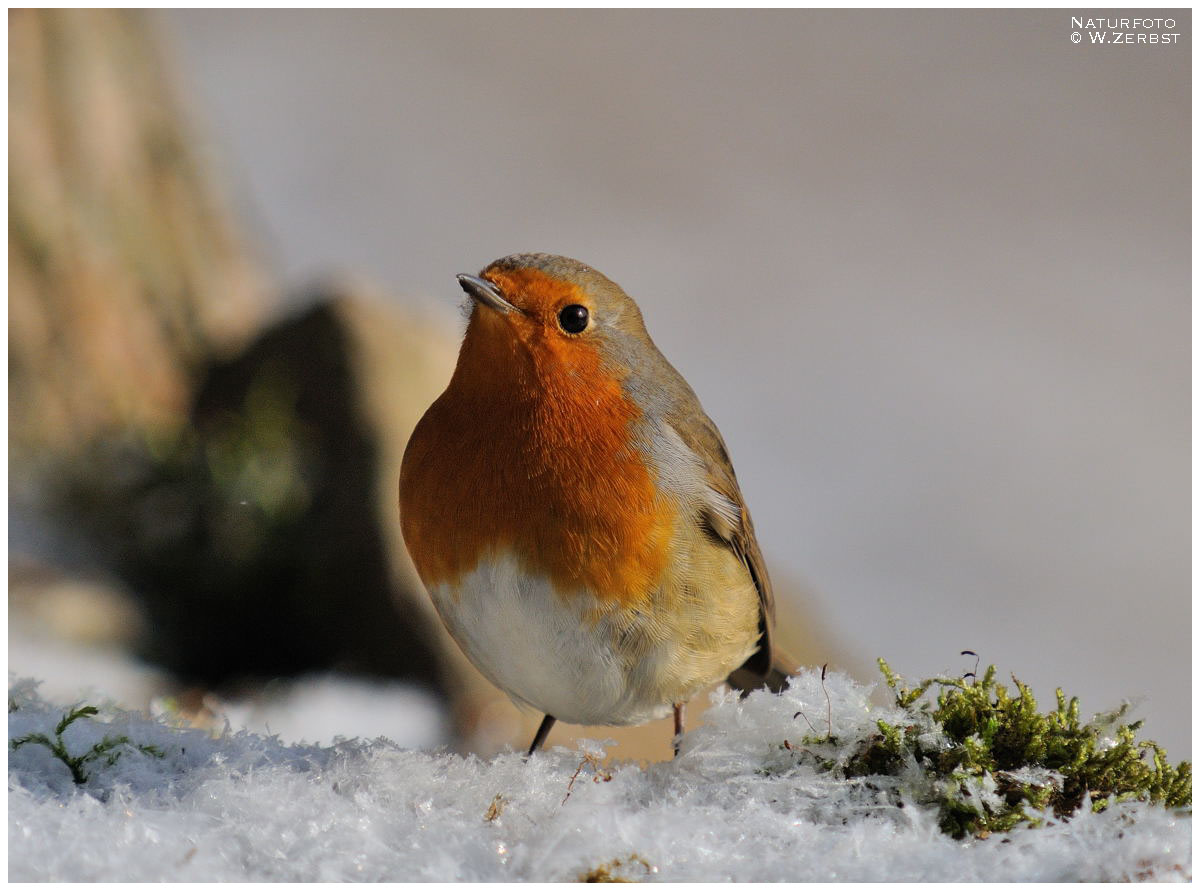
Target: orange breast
(528, 452)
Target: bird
(573, 512)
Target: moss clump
(998, 761)
(109, 748)
(614, 869)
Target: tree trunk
(126, 271)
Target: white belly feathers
(550, 651)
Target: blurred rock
(255, 539)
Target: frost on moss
(109, 748)
(990, 760)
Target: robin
(573, 512)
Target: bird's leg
(540, 737)
(678, 727)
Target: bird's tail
(772, 675)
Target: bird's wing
(724, 513)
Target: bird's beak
(482, 291)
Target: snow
(313, 707)
(737, 805)
(319, 708)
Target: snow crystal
(737, 805)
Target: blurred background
(928, 271)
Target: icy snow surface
(735, 806)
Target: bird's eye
(573, 318)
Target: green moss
(109, 748)
(991, 760)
